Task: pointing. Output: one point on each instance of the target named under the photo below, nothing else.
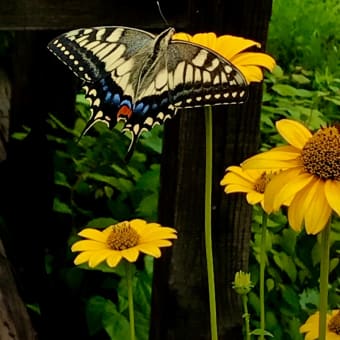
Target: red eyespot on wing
(124, 112)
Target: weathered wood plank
(67, 14)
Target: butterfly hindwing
(199, 76)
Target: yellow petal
(87, 245)
(98, 257)
(318, 211)
(150, 250)
(82, 257)
(311, 323)
(282, 188)
(332, 192)
(113, 259)
(232, 188)
(313, 334)
(296, 212)
(254, 197)
(131, 254)
(254, 59)
(229, 45)
(182, 36)
(93, 234)
(293, 132)
(281, 157)
(242, 181)
(251, 73)
(310, 205)
(332, 336)
(206, 39)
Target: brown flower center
(261, 183)
(321, 154)
(334, 324)
(122, 237)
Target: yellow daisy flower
(123, 240)
(311, 179)
(252, 182)
(232, 48)
(311, 326)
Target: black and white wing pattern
(135, 76)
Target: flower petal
(318, 211)
(98, 256)
(332, 192)
(310, 205)
(150, 249)
(283, 187)
(230, 46)
(233, 179)
(293, 132)
(254, 197)
(254, 59)
(87, 245)
(281, 157)
(251, 73)
(82, 257)
(93, 234)
(131, 254)
(113, 259)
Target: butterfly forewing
(92, 53)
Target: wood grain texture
(68, 14)
(180, 294)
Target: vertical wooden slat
(180, 301)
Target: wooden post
(180, 308)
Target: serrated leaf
(309, 299)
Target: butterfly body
(132, 75)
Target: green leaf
(61, 179)
(309, 299)
(300, 79)
(148, 206)
(286, 264)
(259, 331)
(290, 91)
(290, 296)
(270, 283)
(101, 222)
(61, 207)
(95, 309)
(115, 324)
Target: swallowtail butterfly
(135, 76)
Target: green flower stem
(128, 271)
(246, 315)
(207, 213)
(262, 270)
(324, 271)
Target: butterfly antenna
(161, 13)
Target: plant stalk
(207, 214)
(324, 272)
(262, 271)
(128, 271)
